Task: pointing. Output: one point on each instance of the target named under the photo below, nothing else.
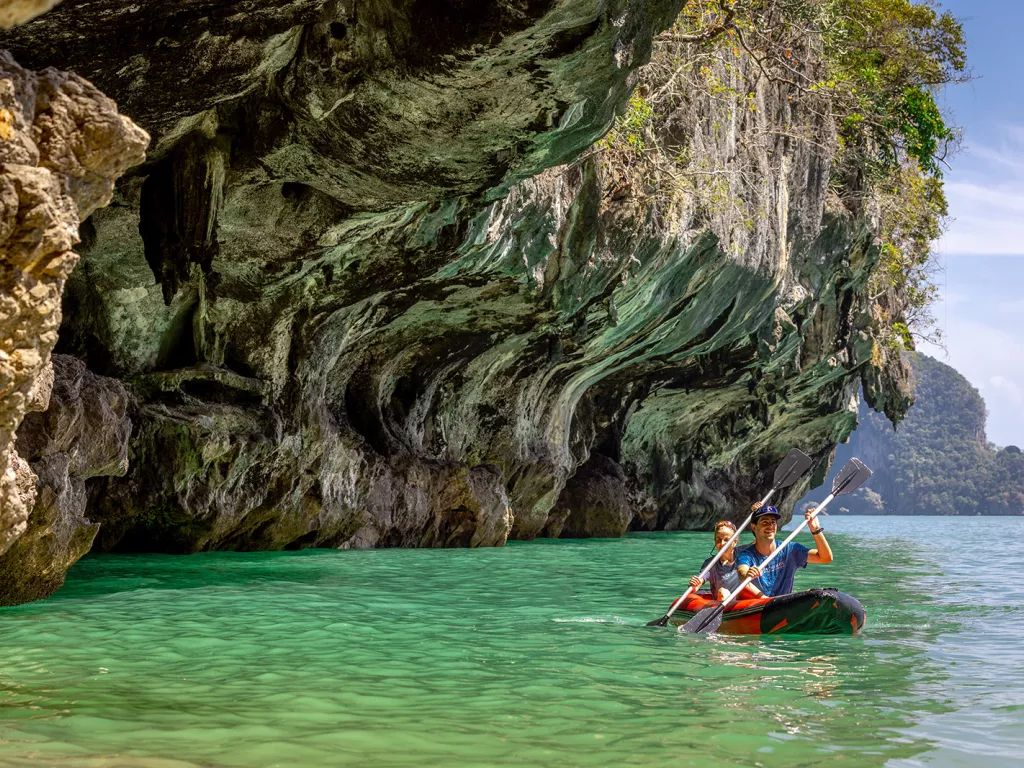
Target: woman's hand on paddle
(756, 506)
(753, 572)
(696, 581)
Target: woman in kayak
(723, 577)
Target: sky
(981, 309)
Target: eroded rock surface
(366, 292)
(83, 434)
(62, 145)
(14, 12)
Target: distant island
(938, 461)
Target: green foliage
(938, 461)
(868, 68)
(885, 58)
(628, 133)
(881, 61)
(902, 332)
(917, 120)
(912, 208)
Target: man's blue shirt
(777, 578)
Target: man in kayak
(777, 578)
(723, 576)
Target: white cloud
(1011, 307)
(1012, 392)
(1006, 197)
(986, 221)
(986, 199)
(948, 298)
(993, 361)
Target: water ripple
(536, 654)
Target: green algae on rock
(372, 288)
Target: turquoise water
(535, 654)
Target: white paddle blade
(850, 477)
(795, 464)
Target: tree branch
(729, 11)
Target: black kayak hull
(812, 612)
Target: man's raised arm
(822, 552)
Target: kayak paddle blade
(707, 620)
(850, 477)
(795, 464)
(662, 622)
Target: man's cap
(766, 511)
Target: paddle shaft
(704, 574)
(779, 548)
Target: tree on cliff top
(881, 61)
(868, 68)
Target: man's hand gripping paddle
(849, 479)
(794, 465)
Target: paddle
(849, 479)
(794, 465)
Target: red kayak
(814, 612)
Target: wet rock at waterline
(83, 434)
(595, 503)
(367, 290)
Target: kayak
(814, 612)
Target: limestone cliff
(83, 434)
(62, 145)
(373, 287)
